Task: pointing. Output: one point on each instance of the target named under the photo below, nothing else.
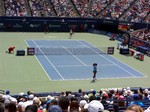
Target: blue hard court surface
(79, 67)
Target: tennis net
(71, 50)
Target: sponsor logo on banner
(2, 25)
(34, 25)
(17, 25)
(108, 21)
(125, 23)
(54, 26)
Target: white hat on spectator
(21, 94)
(124, 89)
(129, 92)
(31, 96)
(20, 104)
(104, 92)
(52, 98)
(146, 90)
(82, 103)
(49, 97)
(128, 88)
(94, 106)
(115, 89)
(119, 89)
(92, 90)
(86, 96)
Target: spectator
(136, 100)
(20, 107)
(7, 96)
(29, 101)
(94, 106)
(62, 94)
(134, 108)
(146, 96)
(64, 104)
(11, 107)
(74, 106)
(51, 103)
(82, 104)
(31, 108)
(54, 108)
(2, 107)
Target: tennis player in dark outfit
(94, 71)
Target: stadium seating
(15, 8)
(113, 99)
(138, 12)
(116, 9)
(63, 8)
(124, 10)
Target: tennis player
(94, 71)
(71, 33)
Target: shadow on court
(92, 81)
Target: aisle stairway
(2, 10)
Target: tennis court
(42, 73)
(73, 59)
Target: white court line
(75, 56)
(39, 63)
(47, 46)
(105, 78)
(49, 61)
(107, 59)
(125, 64)
(82, 65)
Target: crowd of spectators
(116, 9)
(15, 8)
(83, 7)
(40, 8)
(81, 101)
(138, 12)
(99, 5)
(106, 9)
(142, 34)
(63, 8)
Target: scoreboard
(110, 50)
(30, 51)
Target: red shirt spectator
(11, 49)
